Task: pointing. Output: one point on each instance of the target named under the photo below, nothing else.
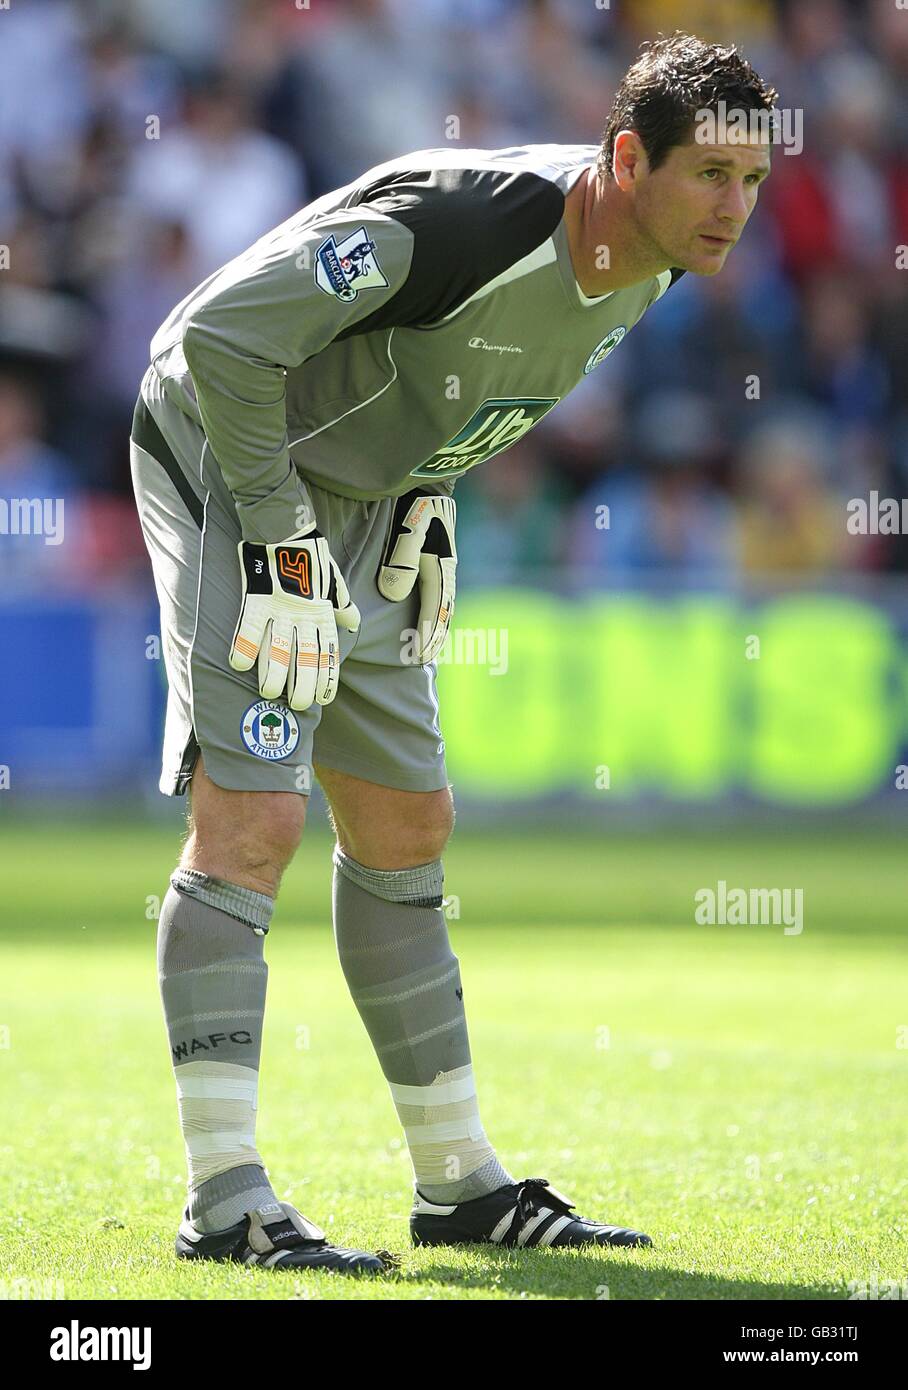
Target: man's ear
(629, 159)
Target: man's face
(695, 205)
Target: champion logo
(485, 346)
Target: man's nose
(733, 205)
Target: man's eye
(710, 171)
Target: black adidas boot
(522, 1214)
(275, 1236)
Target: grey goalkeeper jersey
(393, 333)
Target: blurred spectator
(842, 202)
(717, 334)
(227, 182)
(194, 35)
(52, 532)
(43, 99)
(128, 83)
(133, 302)
(509, 519)
(38, 492)
(365, 87)
(663, 511)
(840, 366)
(792, 521)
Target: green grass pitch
(736, 1092)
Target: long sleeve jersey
(393, 333)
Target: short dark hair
(668, 83)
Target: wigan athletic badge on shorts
(602, 350)
(343, 268)
(270, 730)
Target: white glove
(294, 599)
(421, 541)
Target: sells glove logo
(343, 268)
(293, 569)
(496, 425)
(602, 350)
(269, 730)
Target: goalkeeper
(296, 441)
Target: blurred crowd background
(145, 142)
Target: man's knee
(384, 828)
(247, 838)
(422, 835)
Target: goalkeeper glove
(421, 542)
(294, 599)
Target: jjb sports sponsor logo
(496, 425)
(602, 350)
(343, 268)
(269, 730)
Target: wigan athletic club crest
(269, 730)
(343, 268)
(602, 350)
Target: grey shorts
(383, 723)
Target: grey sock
(223, 1200)
(392, 941)
(213, 978)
